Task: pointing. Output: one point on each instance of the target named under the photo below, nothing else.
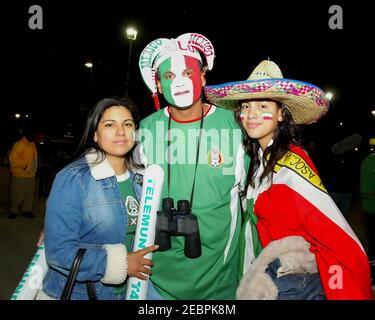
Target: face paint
(180, 78)
(242, 115)
(267, 115)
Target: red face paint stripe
(193, 63)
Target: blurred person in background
(367, 184)
(23, 160)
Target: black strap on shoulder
(67, 292)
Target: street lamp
(329, 96)
(90, 66)
(131, 34)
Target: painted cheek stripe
(267, 116)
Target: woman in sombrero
(306, 248)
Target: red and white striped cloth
(297, 204)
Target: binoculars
(178, 222)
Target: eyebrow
(115, 120)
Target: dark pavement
(18, 238)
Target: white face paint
(177, 80)
(181, 86)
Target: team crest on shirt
(215, 158)
(132, 206)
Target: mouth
(180, 93)
(253, 125)
(120, 142)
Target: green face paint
(164, 69)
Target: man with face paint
(199, 148)
(180, 80)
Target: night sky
(44, 72)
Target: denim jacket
(85, 209)
(285, 269)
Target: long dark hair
(87, 142)
(286, 133)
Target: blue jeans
(296, 286)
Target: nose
(120, 131)
(252, 113)
(179, 81)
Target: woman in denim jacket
(93, 204)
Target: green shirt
(220, 171)
(368, 184)
(132, 206)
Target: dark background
(44, 73)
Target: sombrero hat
(306, 102)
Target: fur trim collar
(295, 257)
(100, 170)
(103, 169)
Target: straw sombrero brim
(306, 102)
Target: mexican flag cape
(297, 204)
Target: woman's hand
(138, 265)
(41, 238)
